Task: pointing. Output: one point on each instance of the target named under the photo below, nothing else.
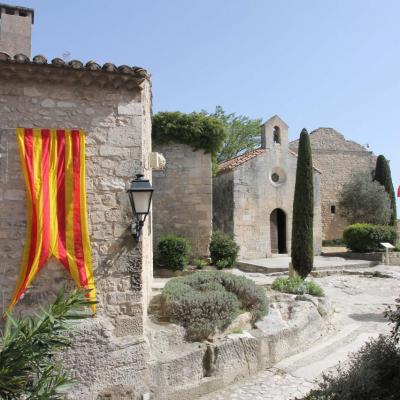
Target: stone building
(182, 200)
(337, 159)
(113, 105)
(253, 195)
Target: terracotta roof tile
(234, 162)
(40, 64)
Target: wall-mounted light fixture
(140, 194)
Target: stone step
(256, 267)
(327, 354)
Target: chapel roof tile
(234, 162)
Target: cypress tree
(303, 210)
(384, 177)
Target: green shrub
(397, 248)
(333, 243)
(393, 315)
(297, 285)
(196, 130)
(208, 301)
(222, 264)
(223, 248)
(28, 368)
(363, 238)
(199, 263)
(372, 373)
(173, 252)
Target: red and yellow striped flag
(53, 163)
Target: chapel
(253, 195)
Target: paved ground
(280, 263)
(359, 303)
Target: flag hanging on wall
(53, 164)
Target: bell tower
(274, 134)
(16, 29)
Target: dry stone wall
(337, 159)
(182, 199)
(110, 352)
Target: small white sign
(387, 245)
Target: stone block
(128, 326)
(130, 109)
(110, 184)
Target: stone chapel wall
(256, 197)
(110, 352)
(182, 199)
(223, 210)
(338, 159)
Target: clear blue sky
(315, 63)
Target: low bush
(222, 264)
(297, 285)
(362, 238)
(397, 248)
(206, 302)
(372, 373)
(173, 252)
(199, 263)
(223, 248)
(333, 243)
(393, 315)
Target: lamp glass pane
(142, 200)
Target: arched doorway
(278, 231)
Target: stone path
(359, 303)
(272, 384)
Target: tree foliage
(243, 133)
(195, 129)
(365, 201)
(28, 369)
(384, 177)
(303, 210)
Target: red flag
(53, 162)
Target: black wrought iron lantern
(140, 194)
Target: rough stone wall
(109, 356)
(338, 159)
(223, 203)
(182, 199)
(256, 197)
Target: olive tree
(365, 201)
